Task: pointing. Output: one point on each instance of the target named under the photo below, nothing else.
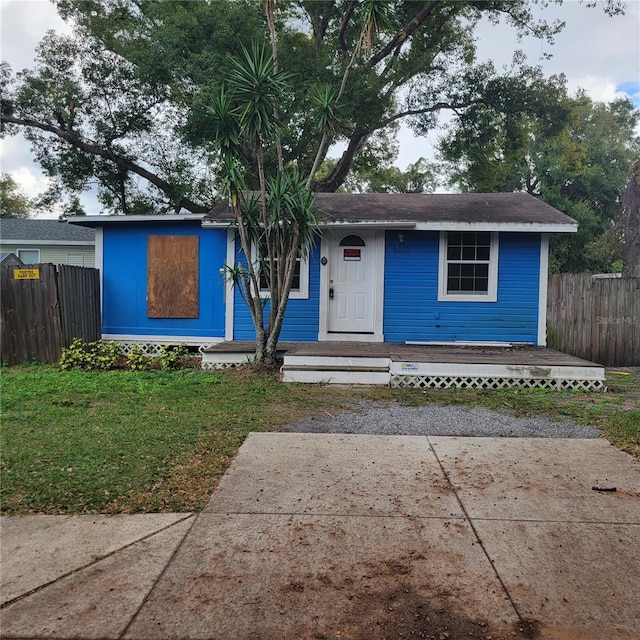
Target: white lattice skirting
(149, 348)
(216, 366)
(494, 382)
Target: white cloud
(23, 24)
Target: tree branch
(343, 27)
(403, 34)
(439, 106)
(338, 174)
(75, 140)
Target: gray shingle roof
(44, 231)
(9, 259)
(412, 207)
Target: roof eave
(444, 225)
(50, 243)
(99, 221)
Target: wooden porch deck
(403, 365)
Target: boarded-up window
(172, 276)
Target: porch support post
(542, 292)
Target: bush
(90, 356)
(101, 355)
(172, 357)
(138, 360)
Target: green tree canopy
(121, 105)
(13, 202)
(578, 164)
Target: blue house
(387, 268)
(402, 289)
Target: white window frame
(492, 292)
(36, 250)
(295, 294)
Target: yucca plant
(276, 225)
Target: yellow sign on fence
(26, 274)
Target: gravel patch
(395, 419)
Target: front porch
(419, 366)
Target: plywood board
(172, 276)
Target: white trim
(377, 335)
(438, 225)
(99, 265)
(542, 290)
(229, 297)
(462, 343)
(193, 341)
(88, 220)
(379, 293)
(323, 305)
(530, 227)
(492, 293)
(49, 243)
(481, 370)
(381, 378)
(294, 294)
(349, 337)
(366, 224)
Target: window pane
(466, 284)
(454, 237)
(468, 278)
(454, 253)
(467, 270)
(29, 256)
(264, 285)
(352, 241)
(468, 253)
(482, 253)
(483, 238)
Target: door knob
(331, 292)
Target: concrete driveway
(322, 536)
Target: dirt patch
(400, 613)
(390, 599)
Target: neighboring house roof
(429, 210)
(43, 232)
(8, 259)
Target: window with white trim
(29, 256)
(468, 266)
(300, 285)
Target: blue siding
(301, 320)
(411, 308)
(125, 281)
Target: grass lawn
(126, 442)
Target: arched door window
(352, 241)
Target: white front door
(352, 283)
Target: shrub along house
(387, 270)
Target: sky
(597, 53)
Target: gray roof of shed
(508, 208)
(44, 231)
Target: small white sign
(409, 366)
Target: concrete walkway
(355, 537)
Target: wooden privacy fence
(597, 319)
(43, 310)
